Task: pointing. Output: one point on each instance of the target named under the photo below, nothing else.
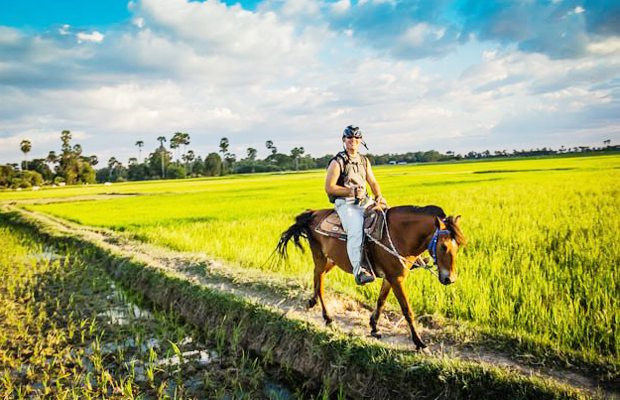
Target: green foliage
(66, 331)
(213, 165)
(533, 238)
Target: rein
(432, 247)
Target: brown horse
(412, 230)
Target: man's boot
(364, 273)
(363, 277)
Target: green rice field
(541, 265)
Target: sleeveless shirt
(352, 171)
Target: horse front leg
(397, 285)
(374, 318)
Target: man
(345, 185)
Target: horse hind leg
(374, 318)
(322, 265)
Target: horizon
(451, 76)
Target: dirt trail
(349, 315)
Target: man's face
(351, 143)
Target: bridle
(432, 247)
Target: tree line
(71, 167)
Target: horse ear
(457, 219)
(439, 223)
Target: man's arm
(331, 182)
(374, 185)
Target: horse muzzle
(446, 279)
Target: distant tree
(93, 160)
(224, 150)
(252, 157)
(229, 160)
(198, 166)
(162, 151)
(270, 146)
(39, 165)
(140, 145)
(25, 146)
(184, 140)
(175, 142)
(52, 158)
(188, 158)
(295, 153)
(213, 165)
(607, 142)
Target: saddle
(331, 226)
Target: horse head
(449, 239)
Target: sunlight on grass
(542, 258)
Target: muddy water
(152, 349)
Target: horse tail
(300, 229)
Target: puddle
(201, 357)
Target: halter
(432, 246)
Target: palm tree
(161, 140)
(270, 146)
(52, 158)
(112, 163)
(224, 150)
(252, 156)
(185, 142)
(175, 142)
(25, 146)
(189, 158)
(140, 144)
(295, 153)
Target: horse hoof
(425, 350)
(375, 334)
(311, 303)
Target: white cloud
(95, 37)
(605, 47)
(214, 70)
(64, 30)
(139, 22)
(341, 6)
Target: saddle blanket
(331, 225)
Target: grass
(326, 364)
(66, 331)
(541, 264)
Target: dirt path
(290, 298)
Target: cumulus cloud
(95, 37)
(418, 29)
(296, 72)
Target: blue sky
(414, 75)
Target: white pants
(352, 218)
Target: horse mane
(455, 231)
(451, 225)
(428, 210)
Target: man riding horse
(408, 232)
(345, 185)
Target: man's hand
(380, 200)
(360, 193)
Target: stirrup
(363, 277)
